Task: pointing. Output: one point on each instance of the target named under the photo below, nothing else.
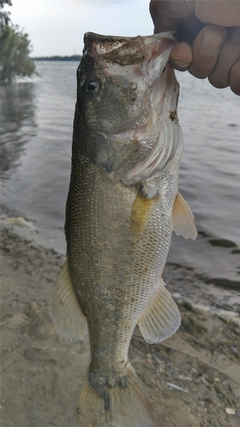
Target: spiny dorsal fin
(161, 319)
(183, 219)
(141, 211)
(65, 310)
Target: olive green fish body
(122, 207)
(115, 271)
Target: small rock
(17, 321)
(177, 295)
(230, 411)
(19, 221)
(176, 387)
(235, 351)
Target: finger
(189, 29)
(167, 15)
(181, 56)
(223, 13)
(235, 78)
(206, 47)
(228, 56)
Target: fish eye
(91, 86)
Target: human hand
(209, 38)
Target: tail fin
(114, 402)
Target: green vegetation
(15, 49)
(58, 58)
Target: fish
(122, 207)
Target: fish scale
(114, 262)
(122, 207)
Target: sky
(56, 27)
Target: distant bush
(15, 48)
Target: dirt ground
(191, 379)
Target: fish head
(126, 93)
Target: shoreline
(191, 379)
(218, 296)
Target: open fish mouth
(142, 55)
(127, 50)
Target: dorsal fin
(183, 219)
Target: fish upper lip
(123, 49)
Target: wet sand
(191, 379)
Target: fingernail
(181, 64)
(212, 41)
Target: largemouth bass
(122, 207)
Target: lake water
(36, 131)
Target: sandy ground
(192, 379)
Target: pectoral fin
(141, 211)
(161, 319)
(183, 219)
(65, 310)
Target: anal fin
(161, 319)
(65, 310)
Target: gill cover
(137, 89)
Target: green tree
(15, 48)
(4, 16)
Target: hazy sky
(56, 27)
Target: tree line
(58, 58)
(15, 48)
